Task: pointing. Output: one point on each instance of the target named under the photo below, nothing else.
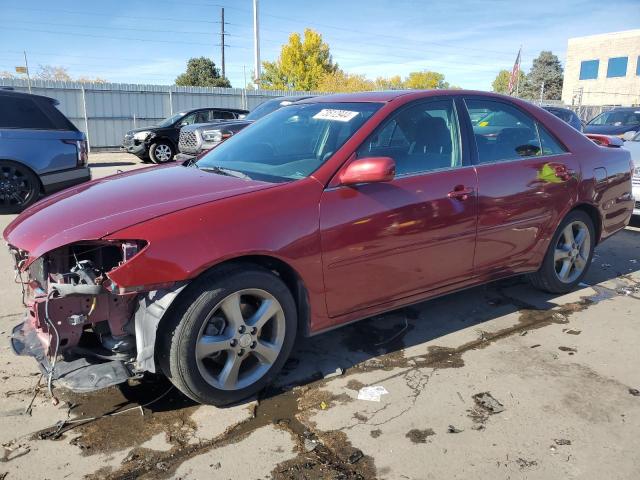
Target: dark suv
(197, 139)
(159, 143)
(41, 151)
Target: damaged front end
(85, 331)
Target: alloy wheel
(572, 251)
(240, 339)
(163, 152)
(16, 188)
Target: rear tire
(161, 152)
(19, 187)
(228, 335)
(569, 255)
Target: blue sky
(144, 41)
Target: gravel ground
(498, 381)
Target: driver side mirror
(628, 135)
(369, 170)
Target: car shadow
(380, 341)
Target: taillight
(83, 153)
(605, 140)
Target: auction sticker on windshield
(332, 114)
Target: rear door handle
(460, 192)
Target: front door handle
(460, 192)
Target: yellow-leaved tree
(302, 64)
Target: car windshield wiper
(225, 171)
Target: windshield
(266, 108)
(171, 120)
(291, 143)
(617, 119)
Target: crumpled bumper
(79, 375)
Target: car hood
(142, 129)
(102, 207)
(609, 129)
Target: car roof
(389, 95)
(15, 93)
(222, 109)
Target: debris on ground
(162, 466)
(569, 350)
(323, 405)
(635, 392)
(13, 453)
(372, 394)
(453, 429)
(3, 475)
(478, 427)
(486, 401)
(524, 463)
(562, 441)
(535, 346)
(336, 373)
(375, 433)
(573, 332)
(420, 436)
(355, 456)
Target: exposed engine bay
(76, 312)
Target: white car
(633, 145)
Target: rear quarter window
(23, 112)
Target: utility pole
(256, 45)
(26, 64)
(222, 39)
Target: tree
(340, 81)
(84, 79)
(202, 72)
(302, 64)
(546, 69)
(391, 83)
(501, 83)
(425, 80)
(6, 74)
(52, 72)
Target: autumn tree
(6, 74)
(425, 80)
(340, 81)
(391, 83)
(52, 72)
(302, 64)
(202, 72)
(501, 82)
(546, 70)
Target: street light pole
(256, 44)
(26, 64)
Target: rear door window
(505, 133)
(421, 138)
(23, 112)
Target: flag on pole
(515, 74)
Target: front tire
(229, 335)
(161, 152)
(19, 187)
(569, 255)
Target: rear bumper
(55, 181)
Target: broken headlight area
(77, 315)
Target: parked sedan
(633, 145)
(41, 151)
(159, 143)
(567, 115)
(618, 122)
(324, 212)
(201, 137)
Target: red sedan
(325, 212)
